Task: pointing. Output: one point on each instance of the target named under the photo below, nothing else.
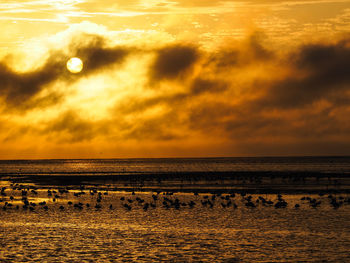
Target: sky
(174, 78)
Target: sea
(270, 209)
(333, 165)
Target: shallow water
(330, 165)
(198, 234)
(266, 174)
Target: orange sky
(174, 78)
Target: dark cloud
(251, 51)
(96, 54)
(239, 123)
(307, 104)
(320, 71)
(198, 86)
(19, 90)
(284, 108)
(257, 49)
(161, 128)
(72, 126)
(173, 61)
(202, 85)
(276, 113)
(136, 105)
(165, 126)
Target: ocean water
(78, 219)
(186, 174)
(177, 165)
(170, 234)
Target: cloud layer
(240, 95)
(20, 89)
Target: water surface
(122, 229)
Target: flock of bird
(22, 197)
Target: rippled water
(198, 234)
(173, 165)
(175, 233)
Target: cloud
(203, 85)
(247, 52)
(95, 53)
(319, 71)
(159, 128)
(173, 61)
(304, 97)
(242, 94)
(20, 89)
(197, 87)
(70, 127)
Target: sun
(75, 65)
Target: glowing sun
(75, 65)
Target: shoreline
(191, 182)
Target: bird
(281, 204)
(145, 207)
(127, 206)
(250, 204)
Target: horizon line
(193, 157)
